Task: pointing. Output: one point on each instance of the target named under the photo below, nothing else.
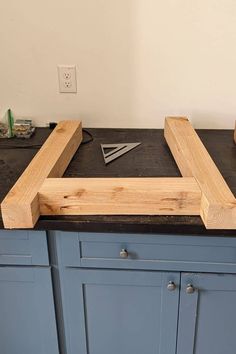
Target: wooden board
(218, 204)
(20, 208)
(121, 196)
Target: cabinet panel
(120, 312)
(207, 318)
(23, 247)
(27, 318)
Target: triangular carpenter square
(116, 150)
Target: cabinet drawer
(23, 248)
(160, 252)
(145, 255)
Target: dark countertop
(151, 159)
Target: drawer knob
(171, 286)
(124, 253)
(190, 289)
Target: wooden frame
(201, 191)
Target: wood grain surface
(218, 204)
(120, 196)
(20, 208)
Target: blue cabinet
(162, 295)
(120, 312)
(112, 304)
(207, 316)
(27, 311)
(27, 318)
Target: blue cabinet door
(120, 312)
(27, 318)
(207, 316)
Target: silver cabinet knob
(124, 253)
(171, 286)
(190, 289)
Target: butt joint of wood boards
(20, 208)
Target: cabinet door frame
(40, 285)
(75, 320)
(189, 304)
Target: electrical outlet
(67, 78)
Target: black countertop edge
(171, 228)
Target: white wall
(137, 60)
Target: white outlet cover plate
(67, 78)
